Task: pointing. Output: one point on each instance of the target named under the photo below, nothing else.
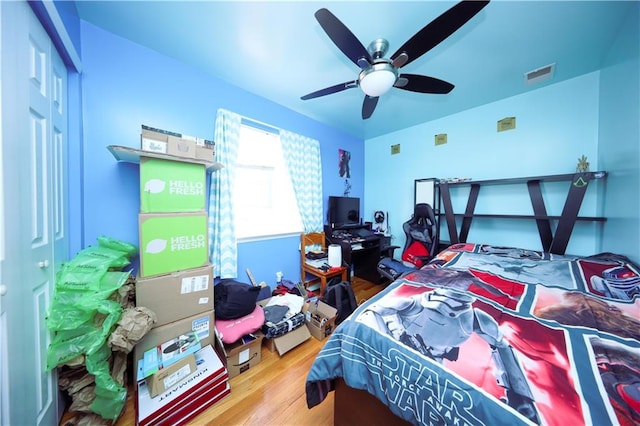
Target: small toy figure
(583, 165)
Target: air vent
(539, 75)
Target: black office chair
(421, 244)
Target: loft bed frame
(373, 412)
(552, 243)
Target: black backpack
(339, 294)
(233, 299)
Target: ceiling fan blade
(343, 38)
(368, 106)
(329, 90)
(423, 84)
(439, 29)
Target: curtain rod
(261, 123)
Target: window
(265, 203)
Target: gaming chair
(421, 232)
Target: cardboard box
(167, 353)
(171, 186)
(285, 343)
(171, 242)
(210, 379)
(203, 324)
(166, 378)
(241, 355)
(164, 142)
(177, 295)
(321, 318)
(206, 152)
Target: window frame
(279, 166)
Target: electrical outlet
(395, 149)
(440, 139)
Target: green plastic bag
(110, 396)
(129, 249)
(83, 315)
(76, 278)
(70, 309)
(85, 339)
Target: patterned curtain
(302, 158)
(222, 233)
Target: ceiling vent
(539, 75)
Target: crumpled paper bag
(134, 324)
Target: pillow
(232, 330)
(415, 254)
(233, 299)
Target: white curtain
(223, 245)
(302, 157)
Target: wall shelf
(552, 243)
(132, 155)
(529, 216)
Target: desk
(362, 254)
(312, 267)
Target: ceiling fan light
(378, 79)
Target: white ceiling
(278, 50)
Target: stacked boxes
(171, 242)
(177, 144)
(175, 279)
(202, 324)
(188, 396)
(177, 295)
(166, 186)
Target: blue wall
(619, 136)
(125, 85)
(594, 115)
(555, 125)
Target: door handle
(43, 264)
(3, 290)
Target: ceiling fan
(378, 74)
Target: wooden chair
(316, 241)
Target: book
(210, 374)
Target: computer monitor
(343, 211)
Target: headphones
(378, 216)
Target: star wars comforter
(489, 335)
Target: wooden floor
(271, 393)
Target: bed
(490, 335)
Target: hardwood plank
(271, 393)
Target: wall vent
(539, 75)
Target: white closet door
(4, 377)
(34, 148)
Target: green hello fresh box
(171, 186)
(171, 242)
